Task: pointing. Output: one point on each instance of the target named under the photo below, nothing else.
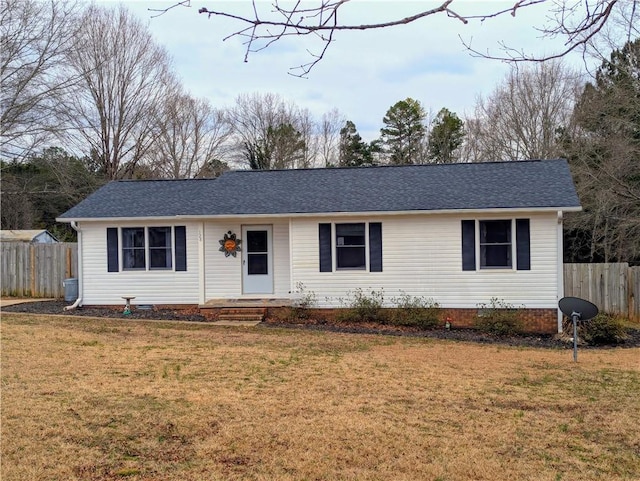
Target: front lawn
(88, 399)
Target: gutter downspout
(560, 267)
(202, 273)
(78, 301)
(291, 280)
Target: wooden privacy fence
(613, 287)
(37, 270)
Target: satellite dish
(578, 310)
(571, 306)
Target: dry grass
(105, 400)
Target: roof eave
(325, 214)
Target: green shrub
(499, 318)
(416, 311)
(602, 329)
(364, 306)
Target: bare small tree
(191, 134)
(329, 137)
(306, 125)
(124, 80)
(268, 132)
(35, 37)
(524, 116)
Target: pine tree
(353, 151)
(404, 132)
(447, 133)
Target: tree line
(92, 79)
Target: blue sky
(363, 73)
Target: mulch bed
(57, 307)
(193, 314)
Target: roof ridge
(164, 180)
(390, 166)
(337, 168)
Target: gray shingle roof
(530, 184)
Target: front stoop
(241, 311)
(238, 316)
(242, 314)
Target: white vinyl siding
(422, 256)
(223, 275)
(158, 286)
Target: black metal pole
(575, 316)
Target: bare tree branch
(321, 21)
(162, 11)
(578, 22)
(34, 38)
(588, 24)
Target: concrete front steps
(242, 314)
(234, 316)
(244, 311)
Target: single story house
(33, 236)
(459, 234)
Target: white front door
(257, 259)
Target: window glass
(350, 246)
(256, 241)
(160, 247)
(495, 243)
(258, 264)
(133, 248)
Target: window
(147, 248)
(160, 247)
(350, 246)
(257, 252)
(495, 243)
(133, 255)
(349, 242)
(499, 242)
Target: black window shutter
(324, 236)
(180, 233)
(468, 245)
(375, 247)
(523, 250)
(112, 249)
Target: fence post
(630, 293)
(32, 271)
(67, 272)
